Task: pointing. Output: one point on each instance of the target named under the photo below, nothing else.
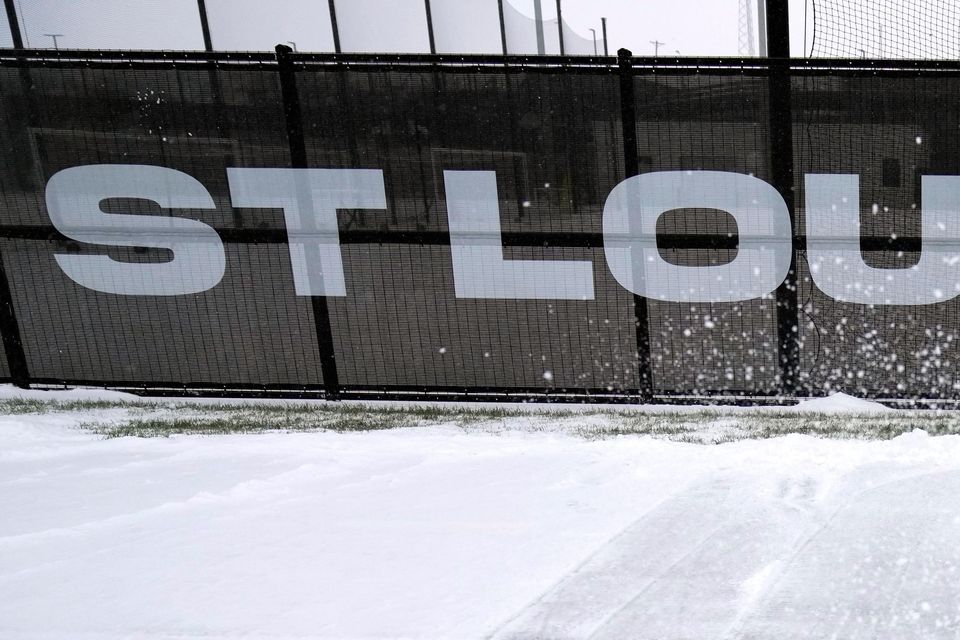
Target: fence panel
(889, 131)
(250, 330)
(92, 300)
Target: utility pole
(656, 47)
(603, 23)
(54, 36)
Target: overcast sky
(692, 27)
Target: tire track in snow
(16, 558)
(639, 584)
(844, 585)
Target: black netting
(889, 132)
(250, 329)
(554, 138)
(191, 120)
(404, 326)
(912, 29)
(717, 123)
(554, 143)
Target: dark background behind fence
(557, 132)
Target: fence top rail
(123, 55)
(640, 65)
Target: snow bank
(10, 392)
(439, 533)
(835, 403)
(841, 403)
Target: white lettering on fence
(310, 199)
(74, 198)
(833, 244)
(476, 247)
(630, 236)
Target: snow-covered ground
(446, 532)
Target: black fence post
(298, 160)
(631, 166)
(782, 179)
(10, 334)
(9, 328)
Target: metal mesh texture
(554, 138)
(249, 330)
(717, 123)
(890, 131)
(886, 29)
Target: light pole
(656, 47)
(54, 36)
(594, 32)
(560, 29)
(603, 23)
(293, 45)
(331, 4)
(538, 17)
(204, 25)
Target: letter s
(73, 203)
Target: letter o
(630, 240)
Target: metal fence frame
(777, 71)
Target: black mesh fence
(552, 131)
(713, 123)
(890, 131)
